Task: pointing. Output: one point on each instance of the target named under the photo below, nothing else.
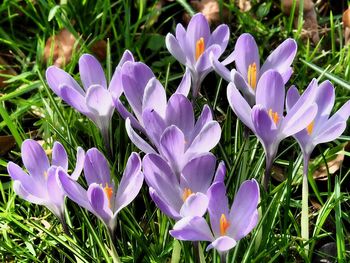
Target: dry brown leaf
(99, 48)
(346, 24)
(5, 68)
(315, 204)
(333, 166)
(210, 9)
(310, 25)
(278, 173)
(244, 5)
(7, 142)
(61, 46)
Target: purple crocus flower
(248, 73)
(266, 118)
(102, 198)
(40, 185)
(228, 226)
(181, 195)
(94, 100)
(321, 129)
(193, 46)
(169, 125)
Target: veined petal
(99, 202)
(330, 133)
(130, 183)
(292, 97)
(197, 28)
(115, 86)
(127, 56)
(75, 100)
(20, 191)
(154, 97)
(96, 168)
(155, 125)
(206, 139)
(185, 84)
(192, 229)
(185, 46)
(136, 139)
(222, 244)
(220, 69)
(59, 156)
(242, 85)
(204, 64)
(91, 72)
(174, 48)
(220, 36)
(205, 117)
(325, 98)
(195, 205)
(54, 191)
(162, 204)
(99, 101)
(79, 165)
(220, 173)
(137, 124)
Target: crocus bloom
(228, 226)
(321, 129)
(102, 198)
(181, 195)
(266, 118)
(169, 125)
(248, 73)
(40, 186)
(94, 100)
(193, 46)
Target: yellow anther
(109, 192)
(200, 46)
(252, 75)
(45, 174)
(310, 128)
(224, 225)
(274, 116)
(186, 193)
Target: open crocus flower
(102, 198)
(266, 118)
(228, 226)
(94, 100)
(248, 73)
(193, 46)
(40, 186)
(321, 129)
(182, 195)
(169, 125)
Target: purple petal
(244, 209)
(205, 117)
(185, 84)
(130, 183)
(91, 72)
(127, 56)
(59, 156)
(239, 105)
(55, 192)
(136, 139)
(220, 36)
(192, 229)
(23, 193)
(79, 165)
(126, 114)
(270, 92)
(220, 69)
(163, 205)
(204, 64)
(325, 100)
(75, 100)
(286, 75)
(154, 97)
(96, 168)
(57, 77)
(242, 85)
(342, 114)
(174, 48)
(179, 112)
(206, 139)
(99, 101)
(281, 58)
(115, 86)
(184, 44)
(330, 133)
(198, 27)
(292, 97)
(222, 244)
(246, 53)
(99, 202)
(155, 125)
(198, 173)
(218, 206)
(35, 159)
(220, 173)
(195, 205)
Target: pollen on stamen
(310, 128)
(109, 192)
(200, 46)
(224, 224)
(186, 193)
(274, 116)
(252, 75)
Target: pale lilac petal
(99, 202)
(220, 36)
(130, 183)
(244, 209)
(242, 85)
(205, 117)
(220, 173)
(218, 206)
(174, 48)
(330, 133)
(57, 77)
(179, 112)
(220, 69)
(181, 37)
(222, 244)
(23, 193)
(198, 173)
(154, 97)
(35, 159)
(198, 27)
(239, 105)
(292, 97)
(185, 84)
(55, 192)
(325, 100)
(91, 72)
(127, 56)
(75, 100)
(59, 156)
(195, 205)
(281, 58)
(155, 125)
(79, 165)
(167, 209)
(136, 139)
(99, 101)
(115, 86)
(246, 53)
(342, 114)
(192, 229)
(206, 139)
(125, 114)
(286, 74)
(270, 92)
(96, 168)
(203, 63)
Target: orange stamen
(200, 46)
(109, 192)
(252, 75)
(187, 192)
(310, 128)
(274, 116)
(224, 225)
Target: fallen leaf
(333, 166)
(244, 5)
(7, 142)
(61, 47)
(5, 69)
(99, 48)
(210, 9)
(346, 25)
(278, 173)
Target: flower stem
(304, 204)
(113, 251)
(106, 141)
(267, 174)
(196, 85)
(223, 257)
(197, 258)
(64, 226)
